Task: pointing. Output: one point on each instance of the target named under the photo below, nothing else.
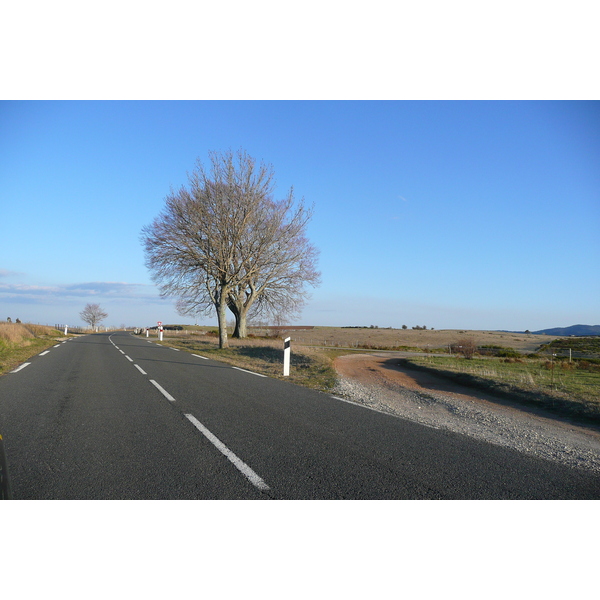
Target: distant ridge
(573, 330)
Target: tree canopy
(93, 315)
(225, 242)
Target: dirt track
(378, 381)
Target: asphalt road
(113, 416)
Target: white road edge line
(377, 410)
(21, 367)
(43, 353)
(162, 391)
(251, 372)
(129, 359)
(176, 349)
(57, 345)
(198, 356)
(238, 462)
(121, 351)
(140, 369)
(358, 404)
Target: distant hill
(573, 330)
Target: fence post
(286, 357)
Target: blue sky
(449, 214)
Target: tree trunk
(222, 318)
(240, 304)
(234, 309)
(240, 324)
(239, 312)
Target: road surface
(114, 416)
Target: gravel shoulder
(373, 380)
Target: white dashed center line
(162, 391)
(140, 369)
(238, 462)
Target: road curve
(114, 416)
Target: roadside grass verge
(310, 367)
(20, 341)
(571, 389)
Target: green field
(571, 387)
(579, 346)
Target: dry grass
(20, 341)
(20, 333)
(412, 338)
(310, 367)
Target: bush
(465, 346)
(508, 353)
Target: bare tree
(93, 315)
(226, 242)
(281, 263)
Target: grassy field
(375, 338)
(571, 387)
(426, 340)
(20, 341)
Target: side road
(438, 402)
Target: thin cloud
(7, 273)
(18, 292)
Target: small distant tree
(8, 320)
(93, 315)
(404, 326)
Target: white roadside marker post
(66, 327)
(147, 332)
(286, 357)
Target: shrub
(465, 346)
(508, 353)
